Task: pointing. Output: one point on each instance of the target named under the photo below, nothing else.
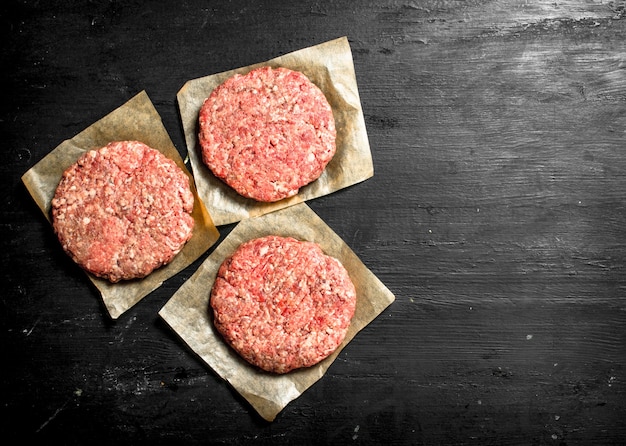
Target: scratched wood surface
(496, 215)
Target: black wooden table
(496, 215)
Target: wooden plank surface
(496, 215)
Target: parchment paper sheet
(329, 65)
(137, 119)
(188, 314)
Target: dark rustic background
(496, 215)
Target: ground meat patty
(282, 304)
(123, 210)
(267, 133)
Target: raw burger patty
(267, 133)
(282, 304)
(123, 210)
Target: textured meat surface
(267, 133)
(282, 303)
(123, 210)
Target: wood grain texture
(496, 215)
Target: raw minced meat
(123, 210)
(282, 303)
(267, 133)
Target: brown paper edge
(187, 311)
(144, 124)
(331, 67)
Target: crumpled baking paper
(138, 120)
(329, 65)
(189, 315)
